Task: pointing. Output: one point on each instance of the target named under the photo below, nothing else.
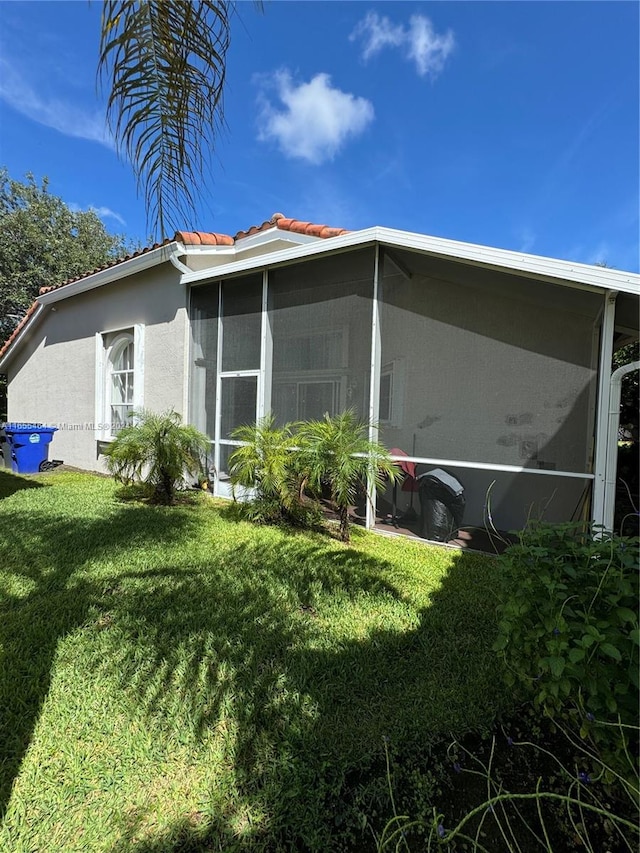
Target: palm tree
(266, 463)
(164, 64)
(157, 450)
(336, 452)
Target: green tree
(336, 453)
(157, 450)
(164, 64)
(42, 243)
(630, 389)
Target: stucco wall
(52, 378)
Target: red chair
(409, 484)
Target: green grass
(173, 679)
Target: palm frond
(164, 61)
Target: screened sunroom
(485, 372)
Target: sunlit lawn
(172, 679)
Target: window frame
(395, 370)
(109, 347)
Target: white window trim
(395, 369)
(136, 334)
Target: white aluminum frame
(612, 442)
(602, 411)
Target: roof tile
(190, 238)
(18, 328)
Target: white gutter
(612, 442)
(114, 273)
(537, 265)
(283, 256)
(550, 269)
(22, 334)
(602, 414)
(183, 269)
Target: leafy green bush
(336, 452)
(520, 794)
(157, 450)
(287, 467)
(265, 463)
(568, 627)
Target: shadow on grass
(12, 483)
(310, 716)
(42, 553)
(253, 638)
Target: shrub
(266, 463)
(521, 794)
(336, 452)
(568, 628)
(157, 450)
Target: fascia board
(188, 249)
(283, 256)
(275, 234)
(114, 273)
(22, 335)
(262, 238)
(538, 266)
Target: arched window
(120, 381)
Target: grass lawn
(172, 679)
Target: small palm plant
(159, 451)
(266, 463)
(336, 452)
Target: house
(492, 365)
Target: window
(386, 394)
(391, 393)
(307, 400)
(119, 379)
(120, 382)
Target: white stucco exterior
(53, 378)
(441, 318)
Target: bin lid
(446, 479)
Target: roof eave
(561, 272)
(283, 256)
(114, 273)
(22, 335)
(539, 266)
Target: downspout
(602, 412)
(612, 441)
(173, 257)
(186, 378)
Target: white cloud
(102, 212)
(418, 41)
(316, 119)
(526, 237)
(107, 213)
(64, 117)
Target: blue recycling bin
(27, 446)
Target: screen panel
(204, 355)
(320, 318)
(238, 403)
(496, 369)
(499, 500)
(241, 323)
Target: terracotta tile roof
(279, 220)
(18, 328)
(202, 238)
(190, 238)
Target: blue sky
(512, 124)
